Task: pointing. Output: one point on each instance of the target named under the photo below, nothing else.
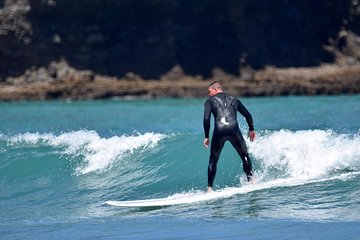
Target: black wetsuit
(224, 108)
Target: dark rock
(149, 38)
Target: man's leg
(215, 150)
(239, 144)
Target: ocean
(60, 161)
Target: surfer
(224, 108)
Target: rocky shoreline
(217, 40)
(61, 81)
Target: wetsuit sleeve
(207, 113)
(242, 109)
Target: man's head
(215, 88)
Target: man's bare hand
(206, 142)
(252, 135)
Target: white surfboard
(176, 199)
(200, 196)
(190, 197)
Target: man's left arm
(242, 109)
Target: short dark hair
(216, 85)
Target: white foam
(308, 153)
(98, 153)
(31, 138)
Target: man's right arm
(206, 122)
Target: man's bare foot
(209, 189)
(251, 180)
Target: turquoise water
(61, 161)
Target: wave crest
(307, 153)
(97, 153)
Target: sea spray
(97, 153)
(307, 153)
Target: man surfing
(224, 108)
